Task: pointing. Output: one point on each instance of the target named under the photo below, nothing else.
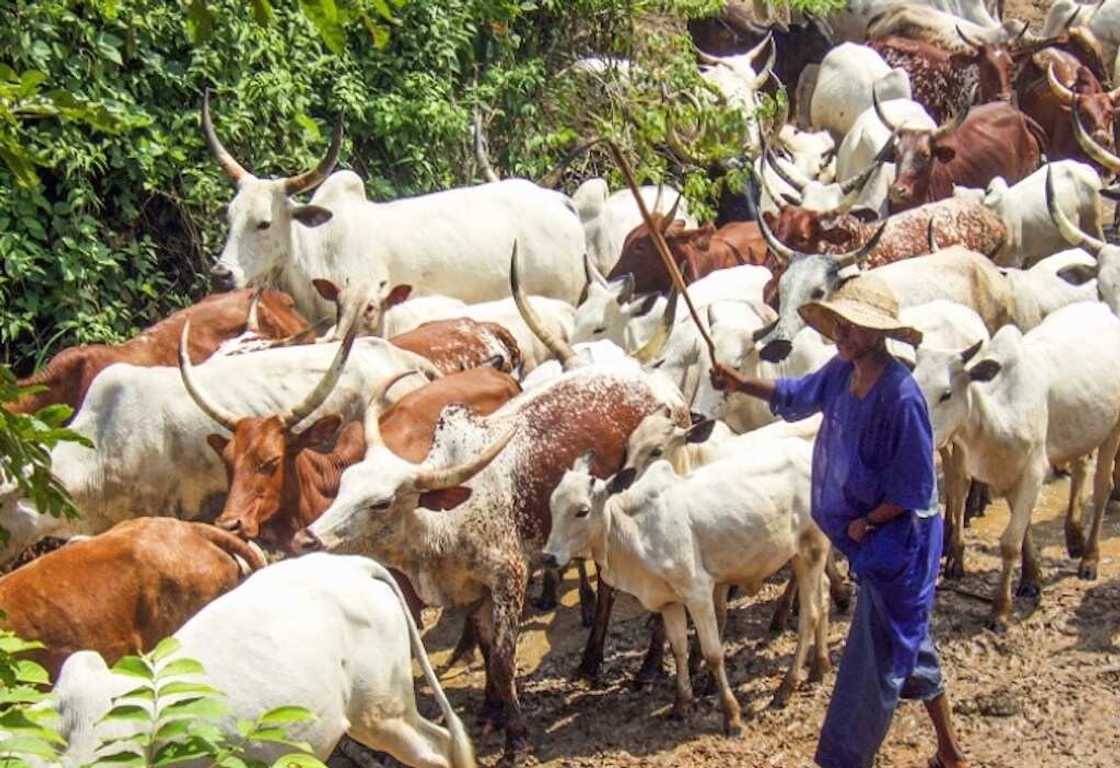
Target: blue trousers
(867, 691)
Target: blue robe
(869, 451)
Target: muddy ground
(1047, 693)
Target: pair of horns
(941, 131)
(292, 184)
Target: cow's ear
(644, 305)
(943, 153)
(326, 288)
(320, 434)
(985, 370)
(622, 480)
(311, 215)
(699, 433)
(218, 443)
(398, 295)
(1078, 274)
(445, 498)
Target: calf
(347, 659)
(698, 252)
(675, 542)
(217, 318)
(987, 141)
(456, 345)
(1030, 401)
(121, 591)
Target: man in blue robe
(875, 496)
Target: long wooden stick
(661, 245)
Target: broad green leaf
(143, 692)
(232, 761)
(180, 686)
(180, 667)
(200, 22)
(262, 11)
(308, 125)
(172, 730)
(134, 666)
(180, 752)
(123, 758)
(25, 745)
(163, 649)
(383, 10)
(28, 671)
(127, 712)
(285, 715)
(200, 707)
(9, 643)
(296, 760)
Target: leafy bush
(128, 214)
(26, 725)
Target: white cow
(674, 542)
(939, 27)
(738, 77)
(843, 91)
(150, 454)
(1031, 234)
(1028, 402)
(558, 316)
(851, 22)
(1106, 254)
(868, 135)
(608, 218)
(1055, 282)
(454, 242)
(1102, 18)
(347, 659)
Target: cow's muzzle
(305, 541)
(221, 277)
(776, 351)
(549, 560)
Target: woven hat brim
(821, 316)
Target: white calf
(326, 632)
(676, 542)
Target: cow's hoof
(589, 670)
(781, 696)
(647, 676)
(708, 686)
(954, 567)
(1028, 590)
(491, 717)
(545, 603)
(1087, 571)
(682, 709)
(999, 623)
(517, 753)
(1075, 542)
(818, 668)
(732, 727)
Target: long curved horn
(856, 182)
(656, 343)
(967, 40)
(317, 175)
(558, 347)
(671, 216)
(232, 168)
(931, 238)
(1112, 193)
(1072, 234)
(777, 197)
(767, 70)
(391, 382)
(480, 149)
(783, 174)
(1094, 150)
(780, 249)
(1061, 91)
(761, 333)
(435, 479)
(861, 253)
(186, 372)
(879, 110)
(954, 122)
(323, 390)
(592, 273)
(253, 321)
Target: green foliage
(128, 212)
(25, 443)
(172, 720)
(26, 719)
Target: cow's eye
(583, 511)
(600, 330)
(945, 396)
(268, 467)
(380, 506)
(818, 294)
(656, 453)
(264, 225)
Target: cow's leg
(1075, 535)
(838, 587)
(652, 663)
(591, 665)
(507, 596)
(783, 607)
(808, 572)
(956, 491)
(1102, 479)
(821, 664)
(1021, 499)
(676, 627)
(977, 500)
(482, 621)
(550, 587)
(412, 741)
(707, 629)
(1030, 576)
(587, 599)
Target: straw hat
(865, 301)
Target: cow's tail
(244, 553)
(462, 752)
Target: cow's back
(994, 140)
(460, 344)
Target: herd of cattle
(473, 385)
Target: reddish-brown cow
(988, 141)
(122, 591)
(698, 252)
(460, 344)
(1051, 86)
(215, 319)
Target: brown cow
(698, 252)
(1051, 86)
(460, 344)
(976, 146)
(124, 590)
(216, 318)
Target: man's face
(853, 342)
